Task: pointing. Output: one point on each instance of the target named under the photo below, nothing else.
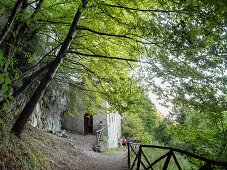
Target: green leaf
(1, 54)
(5, 87)
(17, 75)
(11, 97)
(2, 78)
(1, 58)
(7, 80)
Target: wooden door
(88, 124)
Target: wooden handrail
(100, 134)
(103, 128)
(212, 161)
(140, 153)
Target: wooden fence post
(139, 158)
(129, 161)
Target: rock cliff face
(47, 113)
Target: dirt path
(99, 161)
(74, 153)
(108, 161)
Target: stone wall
(50, 114)
(111, 122)
(96, 121)
(48, 111)
(114, 129)
(74, 124)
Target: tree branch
(85, 67)
(25, 85)
(54, 22)
(75, 86)
(146, 10)
(43, 58)
(115, 35)
(115, 58)
(10, 21)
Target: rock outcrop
(47, 114)
(48, 111)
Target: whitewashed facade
(83, 125)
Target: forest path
(74, 152)
(113, 160)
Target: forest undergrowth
(17, 153)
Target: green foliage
(17, 154)
(4, 84)
(132, 126)
(4, 77)
(144, 138)
(149, 115)
(205, 132)
(182, 44)
(160, 132)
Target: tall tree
(18, 32)
(180, 42)
(11, 19)
(28, 109)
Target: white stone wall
(96, 121)
(47, 113)
(111, 122)
(118, 126)
(114, 129)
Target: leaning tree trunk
(24, 87)
(28, 109)
(30, 80)
(10, 21)
(19, 30)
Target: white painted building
(88, 124)
(113, 129)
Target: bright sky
(154, 98)
(163, 110)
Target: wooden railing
(142, 159)
(100, 134)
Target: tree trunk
(19, 29)
(10, 21)
(25, 85)
(28, 109)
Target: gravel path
(74, 152)
(91, 160)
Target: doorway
(88, 124)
